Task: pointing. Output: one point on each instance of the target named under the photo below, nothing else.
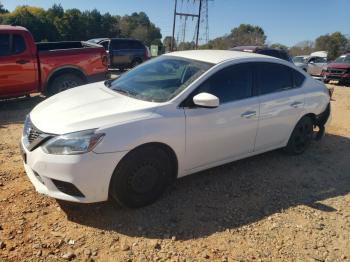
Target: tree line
(57, 24)
(245, 34)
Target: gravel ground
(271, 207)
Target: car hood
(338, 65)
(87, 107)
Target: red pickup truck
(27, 67)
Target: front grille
(32, 136)
(336, 71)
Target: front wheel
(141, 177)
(301, 136)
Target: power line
(184, 12)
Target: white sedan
(183, 112)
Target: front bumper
(90, 173)
(338, 77)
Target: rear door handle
(22, 61)
(248, 114)
(296, 104)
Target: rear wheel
(141, 177)
(301, 136)
(64, 82)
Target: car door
(228, 131)
(281, 103)
(18, 73)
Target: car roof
(13, 28)
(216, 56)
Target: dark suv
(264, 50)
(123, 53)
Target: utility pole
(197, 15)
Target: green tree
(247, 34)
(2, 9)
(335, 44)
(302, 48)
(279, 46)
(167, 41)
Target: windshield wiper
(123, 91)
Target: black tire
(64, 82)
(136, 62)
(141, 177)
(301, 136)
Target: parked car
(313, 63)
(26, 67)
(263, 50)
(124, 53)
(338, 70)
(175, 115)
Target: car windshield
(160, 79)
(299, 59)
(343, 59)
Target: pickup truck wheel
(141, 177)
(301, 136)
(64, 82)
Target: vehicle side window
(229, 84)
(105, 44)
(120, 44)
(18, 44)
(298, 78)
(4, 44)
(320, 60)
(273, 77)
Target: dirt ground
(271, 207)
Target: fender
(66, 68)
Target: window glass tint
(18, 44)
(229, 84)
(320, 60)
(136, 45)
(105, 44)
(273, 77)
(298, 78)
(4, 44)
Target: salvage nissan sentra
(127, 139)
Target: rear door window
(19, 45)
(5, 44)
(272, 77)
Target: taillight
(147, 53)
(104, 59)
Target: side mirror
(206, 100)
(311, 62)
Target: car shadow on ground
(14, 110)
(233, 195)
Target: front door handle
(248, 114)
(296, 104)
(22, 61)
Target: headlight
(73, 143)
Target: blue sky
(284, 21)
